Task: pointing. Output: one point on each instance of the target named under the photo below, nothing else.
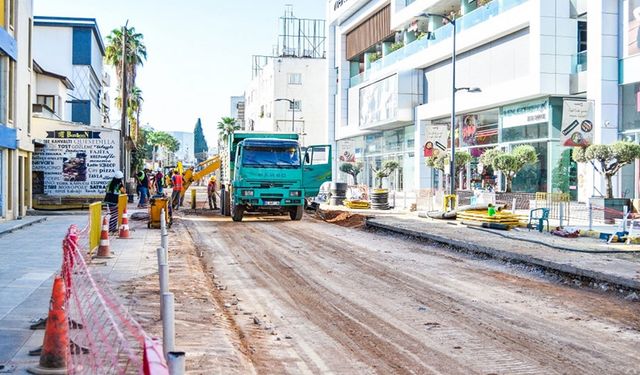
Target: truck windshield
(270, 157)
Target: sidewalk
(620, 269)
(29, 258)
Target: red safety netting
(105, 339)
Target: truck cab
(271, 173)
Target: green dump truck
(270, 172)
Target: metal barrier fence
(559, 204)
(110, 340)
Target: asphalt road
(312, 297)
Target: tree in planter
(352, 169)
(441, 161)
(387, 168)
(608, 159)
(510, 163)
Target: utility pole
(123, 117)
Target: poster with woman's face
(633, 46)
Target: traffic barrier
(104, 250)
(124, 227)
(55, 349)
(95, 225)
(122, 207)
(115, 343)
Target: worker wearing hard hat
(115, 187)
(211, 192)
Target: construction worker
(176, 182)
(159, 181)
(143, 187)
(211, 192)
(115, 187)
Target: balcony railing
(465, 22)
(579, 62)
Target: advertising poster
(469, 130)
(436, 139)
(379, 102)
(633, 28)
(346, 151)
(577, 123)
(77, 162)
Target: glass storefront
(630, 129)
(374, 149)
(536, 123)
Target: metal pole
(293, 116)
(452, 165)
(125, 99)
(168, 324)
(176, 362)
(513, 205)
(590, 216)
(163, 273)
(561, 214)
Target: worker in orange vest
(177, 182)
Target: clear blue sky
(199, 51)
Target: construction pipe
(163, 272)
(176, 362)
(168, 324)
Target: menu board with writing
(77, 162)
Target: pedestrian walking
(115, 187)
(176, 182)
(211, 192)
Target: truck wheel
(296, 213)
(237, 211)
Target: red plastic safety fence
(105, 339)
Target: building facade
(16, 145)
(71, 48)
(284, 92)
(390, 86)
(186, 151)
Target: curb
(508, 256)
(24, 223)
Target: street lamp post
(293, 111)
(454, 89)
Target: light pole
(293, 111)
(454, 89)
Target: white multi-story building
(186, 151)
(71, 50)
(284, 94)
(16, 142)
(390, 86)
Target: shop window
(630, 116)
(521, 133)
(533, 177)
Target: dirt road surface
(280, 297)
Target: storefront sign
(525, 114)
(577, 123)
(436, 139)
(77, 162)
(633, 28)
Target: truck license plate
(272, 203)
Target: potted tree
(352, 169)
(380, 196)
(441, 162)
(608, 160)
(510, 163)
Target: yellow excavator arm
(206, 167)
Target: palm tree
(134, 107)
(227, 126)
(136, 52)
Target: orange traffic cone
(103, 250)
(124, 228)
(55, 349)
